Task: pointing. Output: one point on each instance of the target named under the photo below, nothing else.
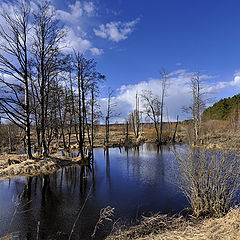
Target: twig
(38, 227)
(105, 214)
(16, 203)
(79, 213)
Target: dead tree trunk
(175, 131)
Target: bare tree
(197, 105)
(135, 118)
(109, 114)
(14, 62)
(164, 82)
(175, 131)
(83, 68)
(95, 112)
(46, 52)
(152, 109)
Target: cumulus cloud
(116, 31)
(224, 84)
(76, 38)
(96, 51)
(74, 41)
(178, 94)
(89, 7)
(236, 79)
(77, 10)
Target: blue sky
(131, 40)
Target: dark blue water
(134, 182)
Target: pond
(132, 181)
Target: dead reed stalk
(80, 211)
(105, 215)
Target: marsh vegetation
(70, 164)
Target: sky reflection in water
(134, 182)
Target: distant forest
(225, 109)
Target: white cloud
(77, 10)
(96, 51)
(116, 31)
(224, 84)
(64, 16)
(74, 41)
(73, 19)
(89, 7)
(236, 80)
(178, 94)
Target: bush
(209, 180)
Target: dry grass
(215, 127)
(160, 227)
(10, 236)
(105, 215)
(34, 167)
(148, 226)
(117, 137)
(216, 134)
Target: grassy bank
(160, 227)
(15, 165)
(118, 137)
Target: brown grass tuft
(161, 227)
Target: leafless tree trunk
(47, 37)
(195, 87)
(175, 131)
(127, 131)
(109, 114)
(197, 106)
(92, 117)
(152, 109)
(14, 45)
(135, 119)
(10, 148)
(96, 78)
(80, 118)
(164, 79)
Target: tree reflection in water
(132, 180)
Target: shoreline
(26, 167)
(160, 226)
(163, 227)
(22, 167)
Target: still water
(134, 182)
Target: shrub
(209, 180)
